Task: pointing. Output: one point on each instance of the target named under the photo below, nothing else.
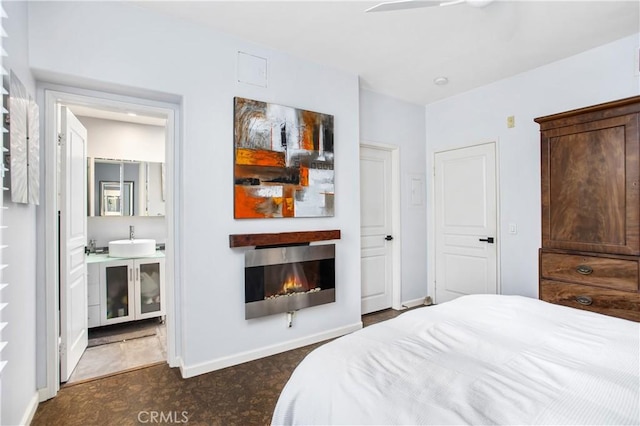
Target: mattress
(479, 359)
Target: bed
(479, 359)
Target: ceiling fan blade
(479, 3)
(453, 2)
(404, 4)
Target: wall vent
(252, 69)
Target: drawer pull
(584, 269)
(584, 300)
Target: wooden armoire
(590, 255)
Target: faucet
(131, 233)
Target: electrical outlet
(511, 122)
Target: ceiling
(400, 53)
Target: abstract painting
(283, 161)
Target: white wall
(124, 141)
(599, 75)
(150, 52)
(19, 397)
(108, 228)
(388, 121)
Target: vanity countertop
(104, 257)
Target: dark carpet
(245, 394)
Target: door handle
(487, 240)
(388, 238)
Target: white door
(466, 221)
(375, 228)
(73, 238)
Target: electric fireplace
(284, 279)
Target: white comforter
(479, 359)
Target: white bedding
(480, 359)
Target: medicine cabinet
(125, 188)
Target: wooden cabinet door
(590, 186)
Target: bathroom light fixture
(132, 114)
(440, 81)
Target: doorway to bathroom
(125, 201)
(113, 222)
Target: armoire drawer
(616, 303)
(605, 272)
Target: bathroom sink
(132, 248)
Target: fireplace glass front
(284, 279)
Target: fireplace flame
(292, 285)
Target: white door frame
(431, 222)
(50, 96)
(396, 285)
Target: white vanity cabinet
(93, 293)
(121, 290)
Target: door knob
(388, 238)
(487, 240)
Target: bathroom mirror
(116, 199)
(125, 188)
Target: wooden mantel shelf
(282, 238)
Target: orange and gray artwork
(283, 161)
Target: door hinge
(60, 138)
(62, 348)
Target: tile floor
(104, 360)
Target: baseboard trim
(27, 418)
(412, 303)
(176, 362)
(45, 394)
(228, 361)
